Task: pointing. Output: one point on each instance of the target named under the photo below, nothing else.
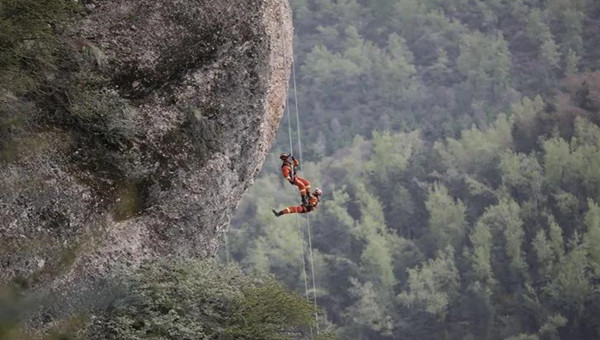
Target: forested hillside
(436, 65)
(458, 146)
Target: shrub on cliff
(192, 299)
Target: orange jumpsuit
(302, 184)
(301, 209)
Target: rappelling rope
(305, 277)
(287, 108)
(312, 262)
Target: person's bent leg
(293, 210)
(290, 210)
(303, 185)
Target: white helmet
(318, 192)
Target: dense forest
(458, 146)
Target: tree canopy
(457, 146)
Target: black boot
(277, 213)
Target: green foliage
(544, 251)
(446, 217)
(391, 153)
(396, 200)
(268, 311)
(537, 29)
(557, 160)
(477, 150)
(368, 309)
(377, 261)
(523, 174)
(376, 257)
(185, 299)
(571, 286)
(486, 64)
(476, 143)
(549, 330)
(506, 197)
(504, 217)
(556, 240)
(433, 286)
(438, 66)
(573, 165)
(481, 258)
(592, 235)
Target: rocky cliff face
(205, 82)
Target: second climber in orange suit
(309, 206)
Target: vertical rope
(287, 104)
(289, 125)
(300, 168)
(292, 151)
(312, 269)
(299, 228)
(303, 261)
(296, 105)
(308, 229)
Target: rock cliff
(205, 82)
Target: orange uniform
(313, 201)
(309, 202)
(289, 174)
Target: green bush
(192, 299)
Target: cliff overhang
(205, 84)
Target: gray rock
(207, 81)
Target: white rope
(287, 105)
(298, 217)
(289, 125)
(303, 260)
(292, 151)
(312, 262)
(296, 105)
(312, 269)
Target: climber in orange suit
(289, 173)
(310, 205)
